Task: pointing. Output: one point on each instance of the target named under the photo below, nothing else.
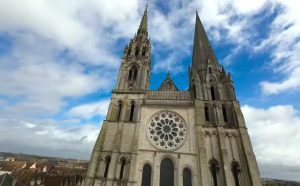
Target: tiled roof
(25, 176)
(11, 165)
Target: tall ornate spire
(134, 73)
(143, 28)
(202, 50)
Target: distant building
(40, 174)
(275, 182)
(169, 137)
(10, 159)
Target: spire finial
(168, 73)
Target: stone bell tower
(169, 137)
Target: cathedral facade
(168, 137)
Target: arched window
(210, 70)
(194, 91)
(206, 112)
(235, 168)
(187, 177)
(131, 111)
(214, 169)
(107, 162)
(132, 73)
(212, 92)
(146, 176)
(144, 51)
(136, 51)
(120, 105)
(123, 163)
(166, 173)
(224, 113)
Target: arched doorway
(166, 173)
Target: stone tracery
(167, 130)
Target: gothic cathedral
(169, 137)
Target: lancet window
(107, 162)
(123, 163)
(187, 177)
(235, 168)
(132, 73)
(146, 176)
(132, 108)
(214, 169)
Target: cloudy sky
(59, 61)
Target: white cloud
(275, 135)
(65, 49)
(292, 82)
(42, 87)
(283, 40)
(249, 7)
(90, 110)
(47, 138)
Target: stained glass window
(146, 177)
(166, 173)
(187, 177)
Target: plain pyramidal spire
(202, 50)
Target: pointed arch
(120, 106)
(210, 70)
(135, 74)
(107, 162)
(132, 75)
(146, 175)
(214, 170)
(235, 169)
(212, 93)
(132, 108)
(206, 113)
(123, 163)
(187, 177)
(224, 111)
(166, 173)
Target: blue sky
(59, 61)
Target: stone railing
(168, 95)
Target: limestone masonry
(169, 137)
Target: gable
(168, 85)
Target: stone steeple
(134, 74)
(208, 79)
(202, 50)
(169, 137)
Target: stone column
(224, 155)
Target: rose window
(166, 130)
